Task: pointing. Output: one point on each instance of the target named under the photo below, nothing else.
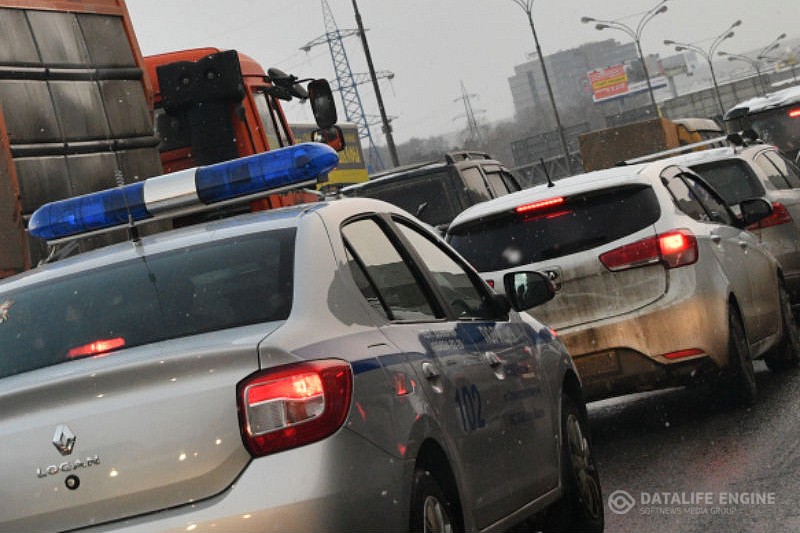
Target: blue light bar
(170, 194)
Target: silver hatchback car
(327, 367)
(658, 282)
(758, 170)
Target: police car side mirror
(527, 289)
(754, 210)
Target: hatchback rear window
(732, 179)
(578, 224)
(193, 290)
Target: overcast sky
(434, 45)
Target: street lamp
(753, 63)
(636, 35)
(527, 7)
(709, 56)
(764, 53)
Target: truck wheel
(581, 506)
(739, 378)
(431, 510)
(785, 355)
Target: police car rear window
(197, 289)
(579, 223)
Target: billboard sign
(608, 82)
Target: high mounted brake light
(537, 206)
(184, 191)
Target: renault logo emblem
(64, 440)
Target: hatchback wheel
(431, 510)
(581, 507)
(787, 354)
(739, 379)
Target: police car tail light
(780, 215)
(185, 191)
(293, 405)
(98, 347)
(674, 249)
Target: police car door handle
(430, 371)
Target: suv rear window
(580, 223)
(197, 289)
(429, 197)
(732, 179)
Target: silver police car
(327, 367)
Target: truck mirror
(322, 104)
(332, 136)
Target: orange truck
(82, 110)
(213, 105)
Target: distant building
(568, 71)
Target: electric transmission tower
(472, 122)
(346, 81)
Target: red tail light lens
(96, 348)
(780, 215)
(293, 405)
(794, 113)
(675, 249)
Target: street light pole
(763, 54)
(527, 6)
(709, 55)
(387, 126)
(753, 63)
(636, 35)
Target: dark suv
(437, 191)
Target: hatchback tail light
(674, 249)
(294, 405)
(780, 215)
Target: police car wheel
(581, 506)
(431, 510)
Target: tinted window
(716, 210)
(453, 281)
(384, 277)
(430, 197)
(184, 292)
(498, 183)
(787, 169)
(580, 223)
(733, 179)
(475, 186)
(686, 201)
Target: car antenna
(133, 230)
(546, 174)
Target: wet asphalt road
(683, 458)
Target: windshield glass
(220, 285)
